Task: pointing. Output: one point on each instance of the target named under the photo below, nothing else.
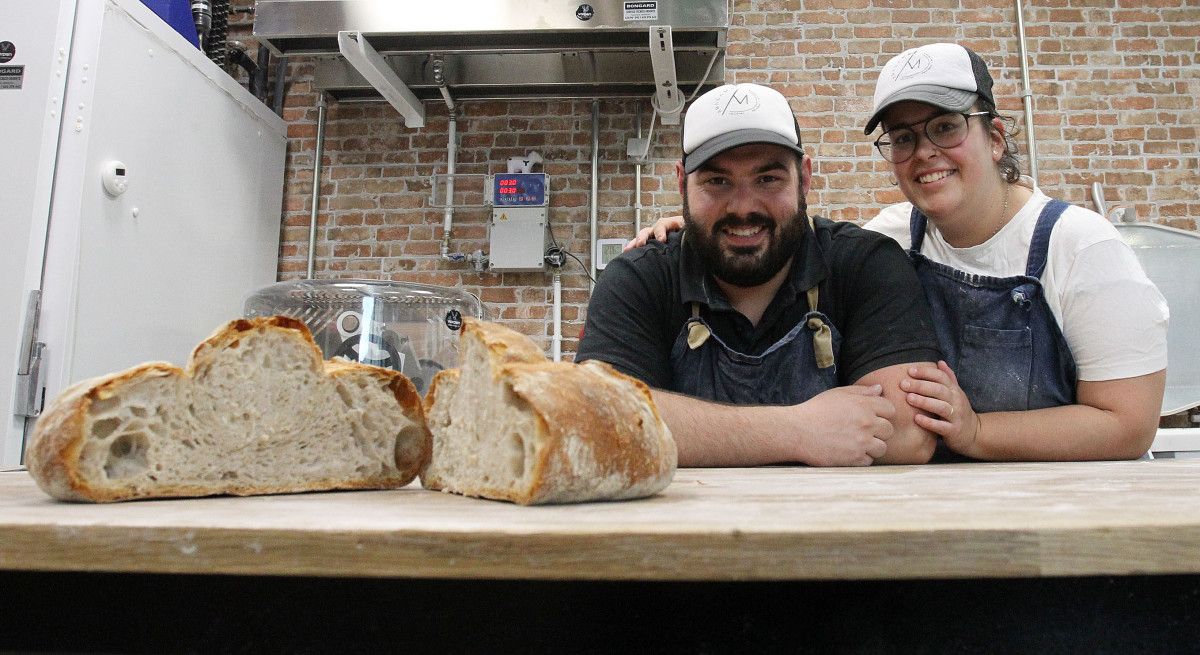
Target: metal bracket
(371, 65)
(30, 387)
(668, 99)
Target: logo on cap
(737, 101)
(917, 63)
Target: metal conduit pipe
(316, 188)
(451, 157)
(1026, 95)
(439, 78)
(595, 206)
(1098, 199)
(556, 339)
(637, 176)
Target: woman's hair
(1010, 167)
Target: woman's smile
(935, 176)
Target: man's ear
(805, 174)
(680, 174)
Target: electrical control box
(518, 226)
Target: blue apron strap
(916, 229)
(1039, 245)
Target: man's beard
(746, 267)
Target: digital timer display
(519, 190)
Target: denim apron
(998, 334)
(794, 369)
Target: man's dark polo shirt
(867, 289)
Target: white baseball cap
(734, 115)
(945, 75)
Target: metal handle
(29, 388)
(29, 385)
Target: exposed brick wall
(1115, 88)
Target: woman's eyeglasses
(944, 131)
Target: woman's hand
(947, 411)
(659, 231)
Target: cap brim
(719, 144)
(930, 94)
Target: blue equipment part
(177, 14)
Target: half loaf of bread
(256, 411)
(510, 425)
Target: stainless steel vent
(498, 49)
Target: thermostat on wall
(115, 177)
(607, 250)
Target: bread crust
(613, 414)
(504, 346)
(598, 437)
(60, 433)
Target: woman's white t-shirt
(1113, 317)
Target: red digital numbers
(509, 186)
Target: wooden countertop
(774, 523)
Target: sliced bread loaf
(256, 411)
(510, 425)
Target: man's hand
(846, 426)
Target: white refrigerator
(140, 198)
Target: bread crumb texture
(255, 411)
(511, 425)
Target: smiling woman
(1041, 362)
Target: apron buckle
(822, 342)
(698, 333)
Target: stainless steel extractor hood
(497, 49)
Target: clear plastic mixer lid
(408, 327)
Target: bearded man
(765, 335)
